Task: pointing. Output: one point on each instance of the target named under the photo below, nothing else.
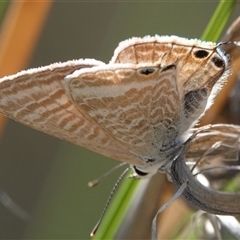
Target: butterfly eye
(147, 71)
(139, 172)
(218, 62)
(201, 54)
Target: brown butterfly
(138, 108)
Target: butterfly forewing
(37, 99)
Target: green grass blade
(117, 209)
(3, 7)
(218, 20)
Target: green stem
(117, 210)
(218, 20)
(3, 7)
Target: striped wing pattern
(153, 90)
(37, 99)
(134, 109)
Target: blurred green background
(48, 177)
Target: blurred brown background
(48, 177)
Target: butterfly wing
(149, 95)
(37, 99)
(130, 102)
(131, 109)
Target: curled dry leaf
(201, 197)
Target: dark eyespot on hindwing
(201, 54)
(218, 62)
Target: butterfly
(138, 108)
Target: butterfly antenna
(237, 43)
(108, 202)
(96, 181)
